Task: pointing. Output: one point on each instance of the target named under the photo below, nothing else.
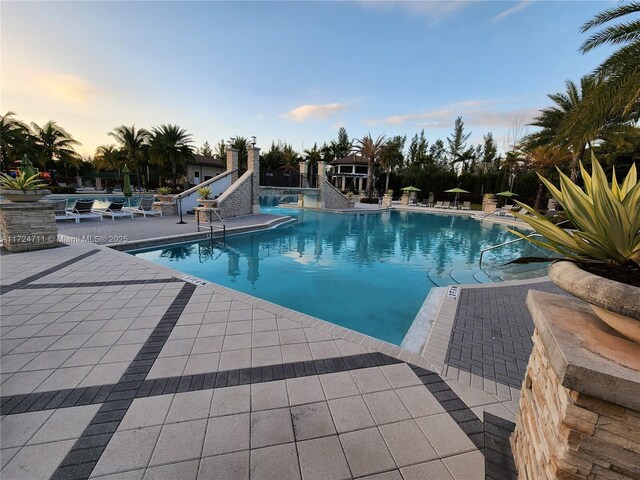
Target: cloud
(511, 10)
(433, 10)
(67, 88)
(305, 112)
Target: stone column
(28, 226)
(322, 175)
(253, 164)
(304, 181)
(98, 183)
(232, 163)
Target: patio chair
(466, 206)
(113, 210)
(117, 189)
(446, 205)
(438, 205)
(144, 208)
(61, 213)
(84, 209)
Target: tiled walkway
(113, 368)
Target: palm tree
(392, 156)
(133, 144)
(371, 150)
(291, 159)
(171, 146)
(14, 136)
(53, 144)
(541, 160)
(241, 144)
(109, 157)
(618, 89)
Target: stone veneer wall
(237, 199)
(28, 226)
(565, 434)
(333, 198)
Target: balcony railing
(283, 178)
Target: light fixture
(232, 142)
(253, 141)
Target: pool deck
(113, 367)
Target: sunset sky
(294, 71)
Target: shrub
(369, 200)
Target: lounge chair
(504, 212)
(84, 209)
(438, 205)
(144, 208)
(117, 189)
(466, 206)
(446, 205)
(61, 213)
(113, 210)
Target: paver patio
(113, 367)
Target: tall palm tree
(14, 136)
(109, 157)
(618, 89)
(291, 159)
(542, 160)
(134, 144)
(241, 144)
(171, 146)
(392, 156)
(53, 144)
(370, 149)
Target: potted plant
(601, 262)
(205, 198)
(164, 195)
(22, 188)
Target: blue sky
(294, 71)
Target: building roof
(352, 159)
(208, 161)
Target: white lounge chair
(113, 210)
(438, 205)
(84, 209)
(466, 206)
(61, 213)
(446, 205)
(144, 208)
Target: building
(203, 168)
(349, 174)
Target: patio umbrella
(27, 167)
(411, 189)
(126, 190)
(507, 194)
(457, 191)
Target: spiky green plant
(21, 182)
(164, 191)
(204, 192)
(606, 218)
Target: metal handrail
(211, 211)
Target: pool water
(367, 272)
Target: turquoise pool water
(367, 272)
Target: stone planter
(22, 196)
(616, 304)
(208, 202)
(489, 205)
(27, 226)
(386, 200)
(164, 198)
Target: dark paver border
(498, 457)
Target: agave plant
(21, 182)
(204, 192)
(164, 191)
(606, 218)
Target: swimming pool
(366, 272)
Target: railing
(209, 213)
(287, 179)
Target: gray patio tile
(366, 452)
(24, 331)
(6, 346)
(259, 314)
(472, 396)
(230, 400)
(392, 475)
(87, 327)
(232, 466)
(207, 345)
(286, 324)
(434, 469)
(325, 349)
(271, 427)
(337, 385)
(179, 442)
(419, 401)
(468, 466)
(187, 331)
(323, 458)
(350, 413)
(400, 375)
(104, 373)
(279, 462)
(117, 324)
(269, 395)
(295, 335)
(296, 352)
(138, 336)
(212, 330)
(264, 325)
(304, 390)
(444, 434)
(56, 329)
(121, 353)
(190, 318)
(219, 306)
(312, 420)
(233, 359)
(407, 443)
(233, 328)
(202, 363)
(266, 356)
(190, 406)
(145, 322)
(370, 380)
(102, 339)
(215, 316)
(264, 339)
(63, 378)
(237, 342)
(127, 450)
(386, 407)
(13, 363)
(147, 412)
(36, 462)
(6, 454)
(168, 367)
(65, 424)
(238, 315)
(40, 344)
(18, 429)
(230, 433)
(130, 475)
(347, 348)
(182, 471)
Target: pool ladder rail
(209, 222)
